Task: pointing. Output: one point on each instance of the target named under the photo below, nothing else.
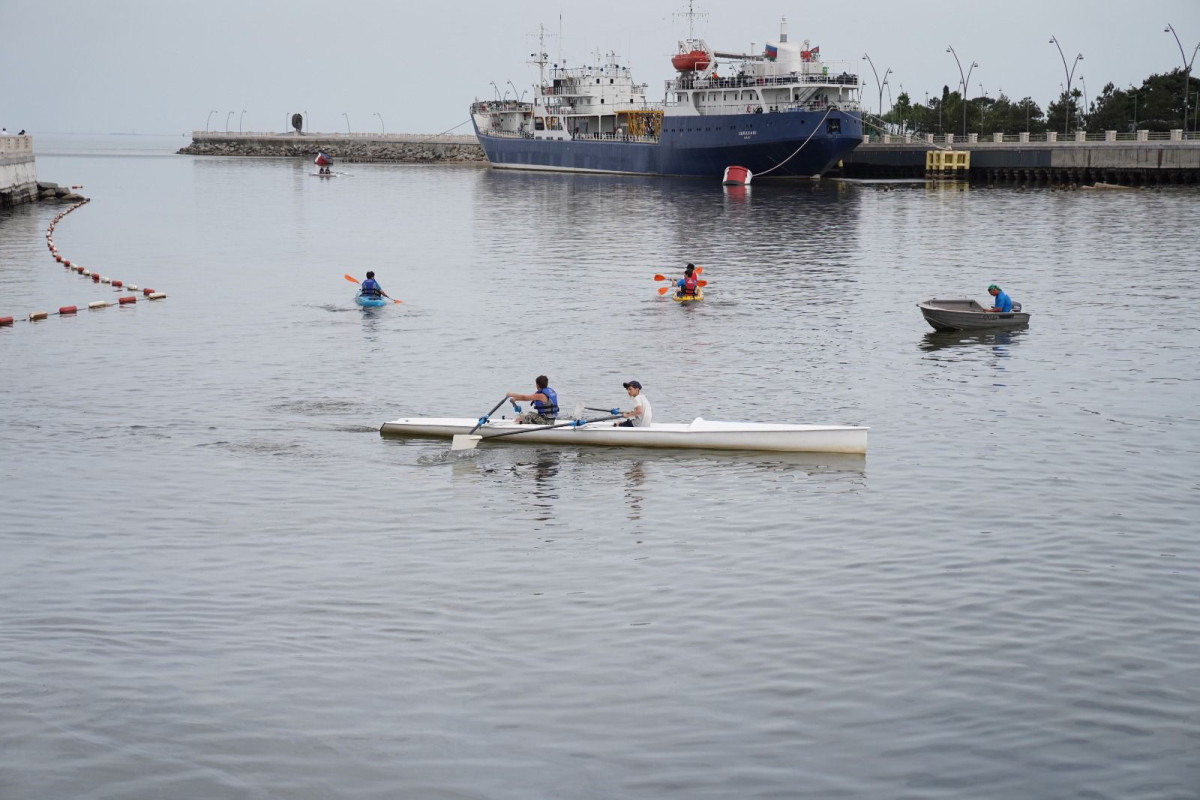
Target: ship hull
(779, 144)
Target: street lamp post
(1070, 73)
(497, 88)
(1187, 71)
(516, 94)
(878, 83)
(228, 117)
(240, 120)
(1135, 99)
(347, 116)
(381, 128)
(1084, 112)
(306, 130)
(966, 82)
(214, 111)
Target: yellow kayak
(689, 298)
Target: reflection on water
(999, 340)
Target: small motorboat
(371, 301)
(700, 434)
(964, 314)
(688, 298)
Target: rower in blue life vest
(371, 287)
(1003, 303)
(544, 401)
(688, 283)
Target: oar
(455, 445)
(659, 277)
(353, 279)
(465, 441)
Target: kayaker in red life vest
(371, 288)
(688, 283)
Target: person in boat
(544, 401)
(1002, 302)
(371, 287)
(639, 416)
(688, 283)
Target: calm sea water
(218, 581)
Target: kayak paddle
(355, 280)
(468, 442)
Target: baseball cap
(993, 286)
(634, 384)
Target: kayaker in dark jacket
(371, 288)
(544, 400)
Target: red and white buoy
(736, 176)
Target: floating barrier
(96, 277)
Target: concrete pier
(1136, 159)
(18, 174)
(348, 147)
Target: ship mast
(541, 57)
(691, 15)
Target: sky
(165, 66)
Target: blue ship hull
(701, 146)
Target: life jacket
(549, 410)
(370, 287)
(690, 282)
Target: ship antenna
(691, 15)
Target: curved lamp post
(879, 83)
(497, 88)
(966, 81)
(1187, 71)
(214, 111)
(1070, 73)
(1084, 111)
(228, 117)
(347, 116)
(240, 120)
(381, 128)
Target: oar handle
(484, 418)
(614, 411)
(578, 423)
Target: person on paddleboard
(371, 287)
(1003, 303)
(545, 404)
(688, 283)
(639, 416)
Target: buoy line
(69, 310)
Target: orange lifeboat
(689, 62)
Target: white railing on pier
(1050, 137)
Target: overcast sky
(161, 66)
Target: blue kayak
(371, 301)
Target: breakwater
(350, 147)
(18, 173)
(1137, 159)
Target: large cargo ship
(781, 112)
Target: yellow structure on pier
(952, 165)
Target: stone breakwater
(395, 147)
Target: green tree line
(1156, 105)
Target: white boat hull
(699, 434)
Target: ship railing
(903, 137)
(495, 106)
(578, 137)
(747, 81)
(775, 108)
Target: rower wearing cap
(1003, 303)
(639, 416)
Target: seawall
(1137, 159)
(18, 174)
(349, 147)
